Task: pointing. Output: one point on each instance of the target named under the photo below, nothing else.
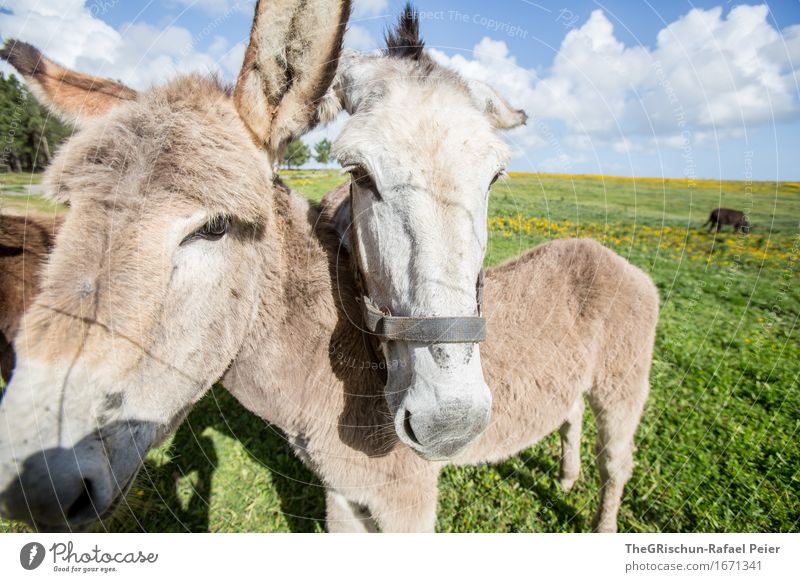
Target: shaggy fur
(424, 142)
(405, 43)
(286, 74)
(568, 319)
(127, 302)
(25, 243)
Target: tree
(323, 151)
(28, 132)
(296, 154)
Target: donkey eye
(214, 229)
(361, 177)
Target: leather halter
(428, 330)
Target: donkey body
(720, 217)
(568, 319)
(25, 243)
(181, 261)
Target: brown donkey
(181, 261)
(25, 243)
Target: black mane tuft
(404, 41)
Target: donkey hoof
(604, 526)
(567, 482)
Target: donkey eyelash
(360, 175)
(501, 174)
(212, 230)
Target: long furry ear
(288, 67)
(500, 112)
(74, 96)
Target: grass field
(21, 194)
(719, 445)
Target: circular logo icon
(31, 555)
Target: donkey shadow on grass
(157, 501)
(547, 490)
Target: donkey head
(149, 292)
(422, 149)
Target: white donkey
(181, 259)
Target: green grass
(313, 183)
(17, 181)
(16, 196)
(718, 445)
(771, 206)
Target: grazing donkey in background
(720, 217)
(25, 242)
(203, 265)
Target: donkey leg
(571, 445)
(617, 420)
(411, 508)
(345, 516)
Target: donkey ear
(289, 66)
(501, 113)
(74, 96)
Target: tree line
(29, 132)
(298, 153)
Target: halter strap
(430, 330)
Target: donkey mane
(404, 41)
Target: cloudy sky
(702, 89)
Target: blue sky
(705, 89)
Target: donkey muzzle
(439, 422)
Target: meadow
(718, 447)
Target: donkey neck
(306, 366)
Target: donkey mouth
(442, 445)
(87, 520)
(82, 514)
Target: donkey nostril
(407, 427)
(82, 504)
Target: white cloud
(721, 72)
(359, 38)
(217, 7)
(717, 75)
(64, 29)
(138, 54)
(148, 55)
(710, 75)
(559, 164)
(232, 60)
(492, 63)
(217, 46)
(676, 141)
(363, 8)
